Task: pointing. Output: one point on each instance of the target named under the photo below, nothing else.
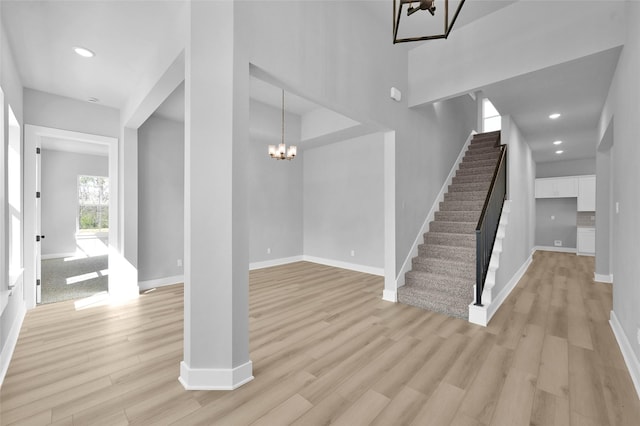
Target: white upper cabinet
(561, 187)
(586, 193)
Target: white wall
(493, 49)
(562, 227)
(59, 200)
(58, 112)
(275, 187)
(160, 198)
(344, 201)
(584, 166)
(623, 104)
(519, 236)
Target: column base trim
(215, 378)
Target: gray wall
(59, 186)
(12, 88)
(344, 201)
(604, 206)
(585, 166)
(622, 105)
(160, 198)
(58, 112)
(518, 242)
(275, 187)
(563, 227)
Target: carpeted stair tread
(477, 144)
(470, 186)
(459, 216)
(465, 196)
(478, 163)
(487, 135)
(437, 251)
(444, 267)
(461, 205)
(449, 239)
(481, 150)
(441, 304)
(453, 227)
(473, 156)
(437, 282)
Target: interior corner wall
(519, 233)
(160, 198)
(344, 201)
(59, 186)
(275, 187)
(583, 166)
(604, 209)
(623, 103)
(13, 302)
(58, 112)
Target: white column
(216, 322)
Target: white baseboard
(160, 282)
(12, 340)
(406, 266)
(345, 265)
(603, 278)
(558, 249)
(633, 364)
(57, 255)
(274, 262)
(215, 378)
(390, 296)
(481, 315)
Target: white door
(38, 236)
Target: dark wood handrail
(503, 150)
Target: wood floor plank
(327, 349)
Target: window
(93, 204)
(491, 119)
(14, 194)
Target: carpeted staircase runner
(444, 272)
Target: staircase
(444, 272)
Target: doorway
(73, 218)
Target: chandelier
(422, 22)
(281, 152)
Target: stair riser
(437, 266)
(479, 151)
(461, 206)
(479, 163)
(453, 227)
(459, 310)
(470, 156)
(484, 179)
(454, 240)
(457, 254)
(423, 282)
(465, 196)
(482, 144)
(470, 186)
(476, 171)
(461, 216)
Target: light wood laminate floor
(327, 349)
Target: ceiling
(576, 89)
(78, 147)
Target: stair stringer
(482, 314)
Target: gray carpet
(443, 274)
(74, 278)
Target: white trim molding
(633, 364)
(481, 315)
(557, 249)
(406, 266)
(345, 265)
(215, 378)
(12, 340)
(390, 295)
(601, 278)
(274, 262)
(160, 282)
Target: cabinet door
(544, 188)
(587, 241)
(587, 194)
(566, 187)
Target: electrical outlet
(268, 250)
(557, 243)
(617, 207)
(353, 253)
(179, 262)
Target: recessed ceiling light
(559, 151)
(554, 115)
(557, 142)
(84, 52)
(94, 100)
